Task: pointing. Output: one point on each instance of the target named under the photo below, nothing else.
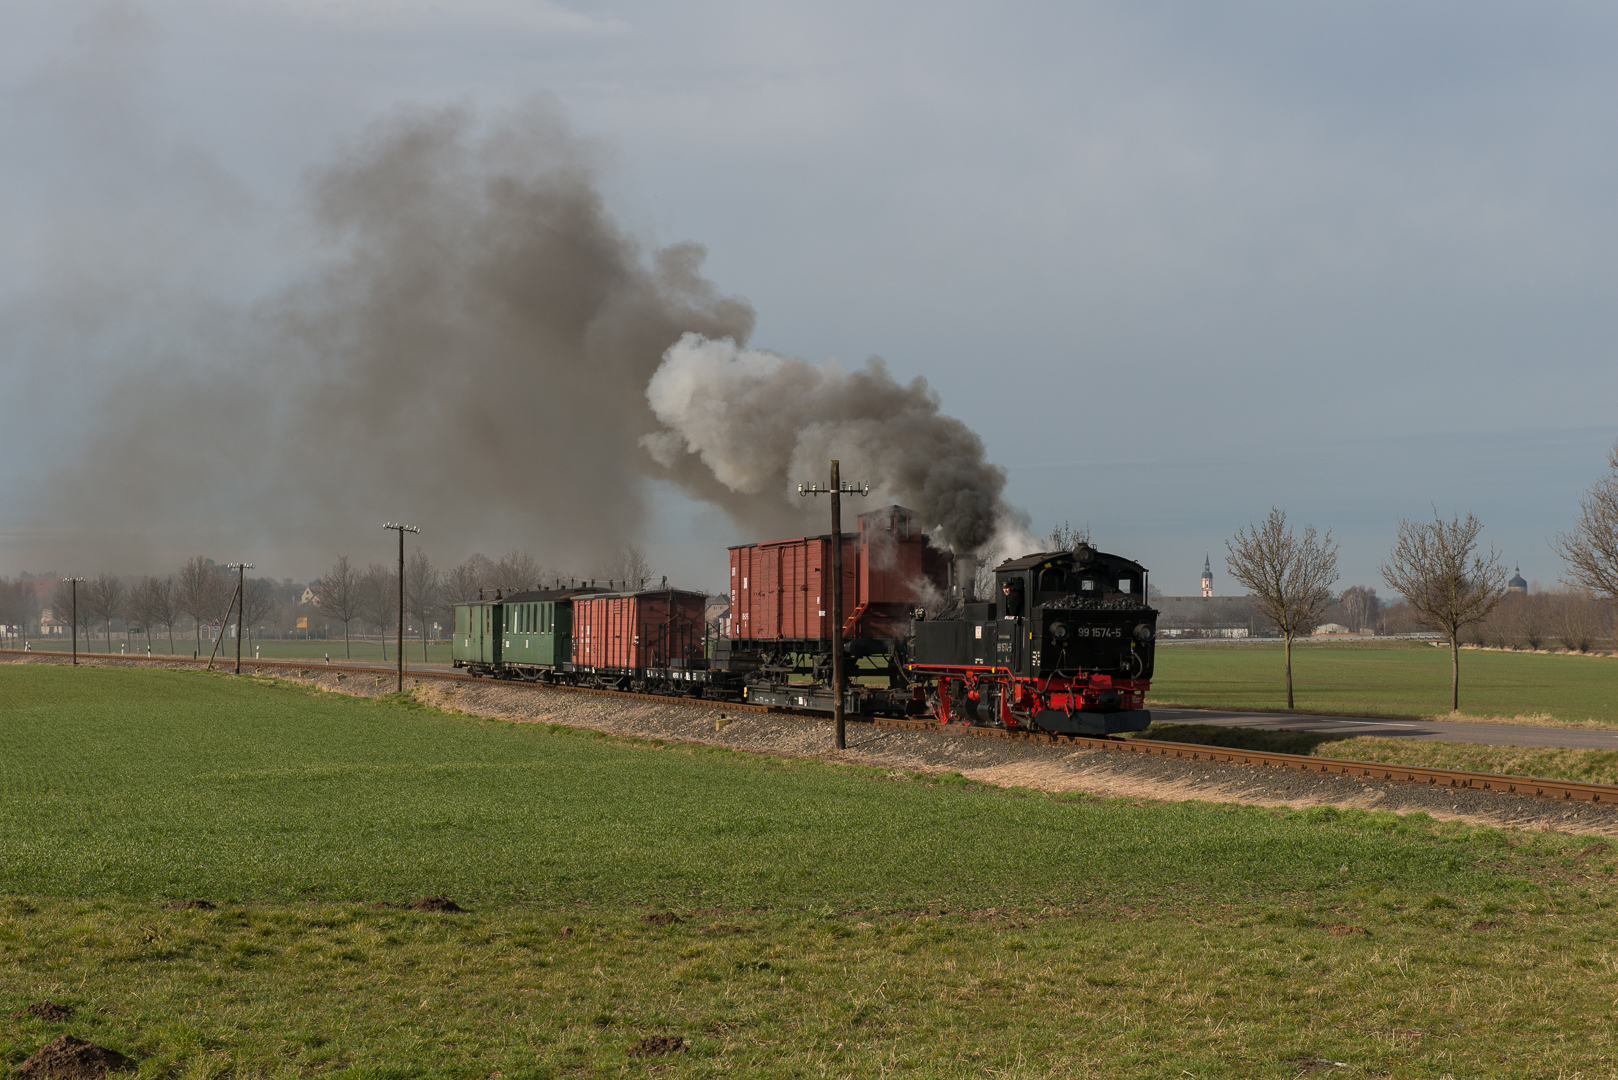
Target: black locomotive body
(1065, 646)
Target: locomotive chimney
(965, 570)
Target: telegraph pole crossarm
(401, 530)
(241, 569)
(74, 615)
(836, 489)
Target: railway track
(1522, 786)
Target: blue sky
(1175, 262)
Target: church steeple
(1207, 576)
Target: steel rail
(1456, 779)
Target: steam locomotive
(1066, 647)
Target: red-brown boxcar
(653, 628)
(779, 591)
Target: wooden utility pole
(401, 530)
(836, 490)
(241, 569)
(75, 617)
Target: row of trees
(20, 605)
(1447, 582)
(1566, 618)
(200, 592)
(196, 598)
(347, 594)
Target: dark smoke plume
(475, 353)
(472, 355)
(759, 422)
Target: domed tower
(1517, 584)
(1207, 576)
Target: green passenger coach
(529, 633)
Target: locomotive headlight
(1058, 631)
(1143, 632)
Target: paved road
(1431, 730)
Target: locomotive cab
(1087, 612)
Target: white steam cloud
(759, 422)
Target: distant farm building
(1206, 617)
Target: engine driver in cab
(1012, 590)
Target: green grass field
(1406, 679)
(835, 921)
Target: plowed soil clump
(435, 903)
(661, 918)
(653, 1045)
(71, 1057)
(49, 1010)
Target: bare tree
(463, 583)
(1066, 538)
(1500, 628)
(105, 595)
(1576, 618)
(1450, 584)
(379, 600)
(1289, 577)
(19, 605)
(63, 609)
(628, 564)
(28, 610)
(515, 572)
(258, 596)
(983, 574)
(1591, 549)
(200, 592)
(10, 604)
(423, 588)
(338, 596)
(1531, 618)
(137, 612)
(160, 604)
(1360, 606)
